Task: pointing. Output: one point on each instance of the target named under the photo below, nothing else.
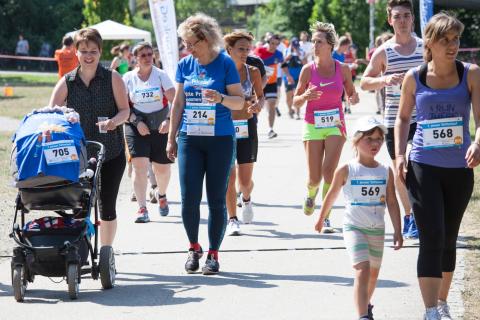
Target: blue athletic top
(216, 75)
(442, 136)
(338, 56)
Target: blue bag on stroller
(48, 149)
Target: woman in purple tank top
(321, 86)
(439, 175)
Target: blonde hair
(437, 28)
(328, 29)
(204, 28)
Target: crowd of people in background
(206, 120)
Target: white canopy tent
(111, 30)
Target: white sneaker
(239, 199)
(444, 310)
(432, 314)
(327, 227)
(247, 212)
(233, 228)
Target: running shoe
(233, 227)
(298, 117)
(309, 206)
(239, 199)
(364, 318)
(247, 212)
(142, 215)
(211, 266)
(406, 224)
(370, 312)
(327, 227)
(152, 194)
(291, 113)
(192, 264)
(278, 112)
(444, 310)
(133, 197)
(163, 208)
(432, 314)
(412, 229)
(272, 134)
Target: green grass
(28, 80)
(30, 92)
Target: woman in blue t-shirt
(440, 176)
(208, 87)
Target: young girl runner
(367, 187)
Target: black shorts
(279, 82)
(390, 139)
(152, 146)
(270, 91)
(290, 87)
(247, 148)
(110, 178)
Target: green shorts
(312, 133)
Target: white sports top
(147, 96)
(365, 193)
(397, 63)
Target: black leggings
(439, 197)
(110, 178)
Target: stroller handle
(100, 146)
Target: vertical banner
(426, 12)
(165, 27)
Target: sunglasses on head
(144, 55)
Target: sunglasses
(144, 55)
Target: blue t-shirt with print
(338, 56)
(216, 75)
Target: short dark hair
(67, 41)
(402, 3)
(88, 35)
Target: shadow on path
(147, 289)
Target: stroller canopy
(48, 148)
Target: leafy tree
(284, 16)
(96, 11)
(351, 16)
(49, 24)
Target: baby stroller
(51, 171)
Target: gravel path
(8, 124)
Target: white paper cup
(100, 127)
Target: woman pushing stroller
(100, 97)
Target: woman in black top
(94, 91)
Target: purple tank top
(331, 98)
(442, 136)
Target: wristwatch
(223, 96)
(134, 119)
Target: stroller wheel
(107, 267)
(19, 282)
(72, 280)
